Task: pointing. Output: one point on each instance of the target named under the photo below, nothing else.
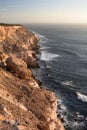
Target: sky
(43, 11)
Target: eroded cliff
(24, 105)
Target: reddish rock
(2, 56)
(19, 67)
(23, 104)
(17, 40)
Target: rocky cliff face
(23, 104)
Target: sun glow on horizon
(43, 11)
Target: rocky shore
(24, 105)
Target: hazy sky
(43, 11)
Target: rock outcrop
(19, 67)
(17, 41)
(24, 105)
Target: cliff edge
(23, 104)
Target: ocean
(63, 60)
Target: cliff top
(6, 24)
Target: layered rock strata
(24, 105)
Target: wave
(75, 125)
(65, 43)
(77, 121)
(43, 40)
(69, 52)
(81, 97)
(39, 35)
(42, 37)
(44, 47)
(68, 83)
(48, 56)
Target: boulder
(19, 67)
(31, 62)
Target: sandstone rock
(31, 63)
(19, 67)
(17, 40)
(29, 57)
(7, 126)
(2, 57)
(23, 104)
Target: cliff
(24, 105)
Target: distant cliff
(24, 105)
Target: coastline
(26, 104)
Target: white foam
(81, 97)
(61, 107)
(48, 56)
(43, 41)
(42, 37)
(44, 47)
(75, 124)
(68, 83)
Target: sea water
(63, 59)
